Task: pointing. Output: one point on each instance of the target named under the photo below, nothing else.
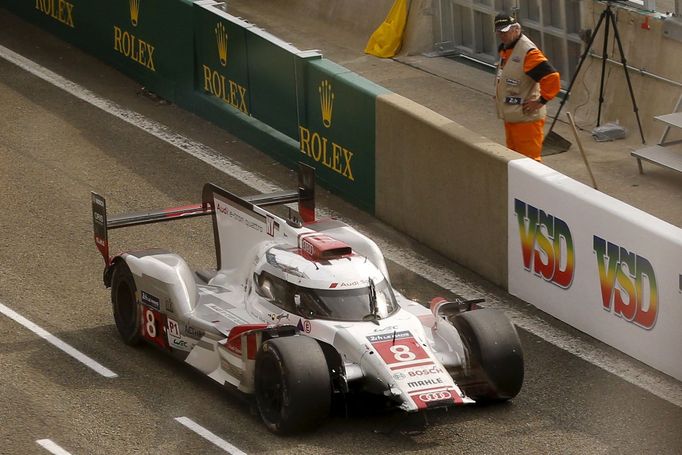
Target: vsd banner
(596, 263)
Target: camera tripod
(610, 18)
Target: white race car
(301, 311)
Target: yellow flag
(387, 39)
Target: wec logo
(627, 282)
(546, 244)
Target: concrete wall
(443, 185)
(418, 36)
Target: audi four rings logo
(435, 396)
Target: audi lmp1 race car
(301, 311)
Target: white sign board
(596, 263)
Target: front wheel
(494, 356)
(293, 386)
(125, 306)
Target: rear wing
(304, 195)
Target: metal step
(663, 156)
(674, 119)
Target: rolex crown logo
(221, 39)
(326, 102)
(134, 11)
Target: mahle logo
(326, 102)
(627, 282)
(221, 40)
(134, 11)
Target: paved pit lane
(579, 396)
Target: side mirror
(266, 290)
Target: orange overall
(526, 136)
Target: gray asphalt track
(55, 149)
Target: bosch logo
(399, 376)
(426, 371)
(435, 396)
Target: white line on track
(42, 333)
(661, 386)
(204, 433)
(51, 447)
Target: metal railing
(466, 27)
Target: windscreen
(332, 304)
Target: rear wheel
(494, 370)
(125, 306)
(293, 387)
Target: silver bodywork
(217, 323)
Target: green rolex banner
(337, 129)
(292, 104)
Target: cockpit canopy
(349, 288)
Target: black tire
(125, 306)
(494, 370)
(293, 386)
